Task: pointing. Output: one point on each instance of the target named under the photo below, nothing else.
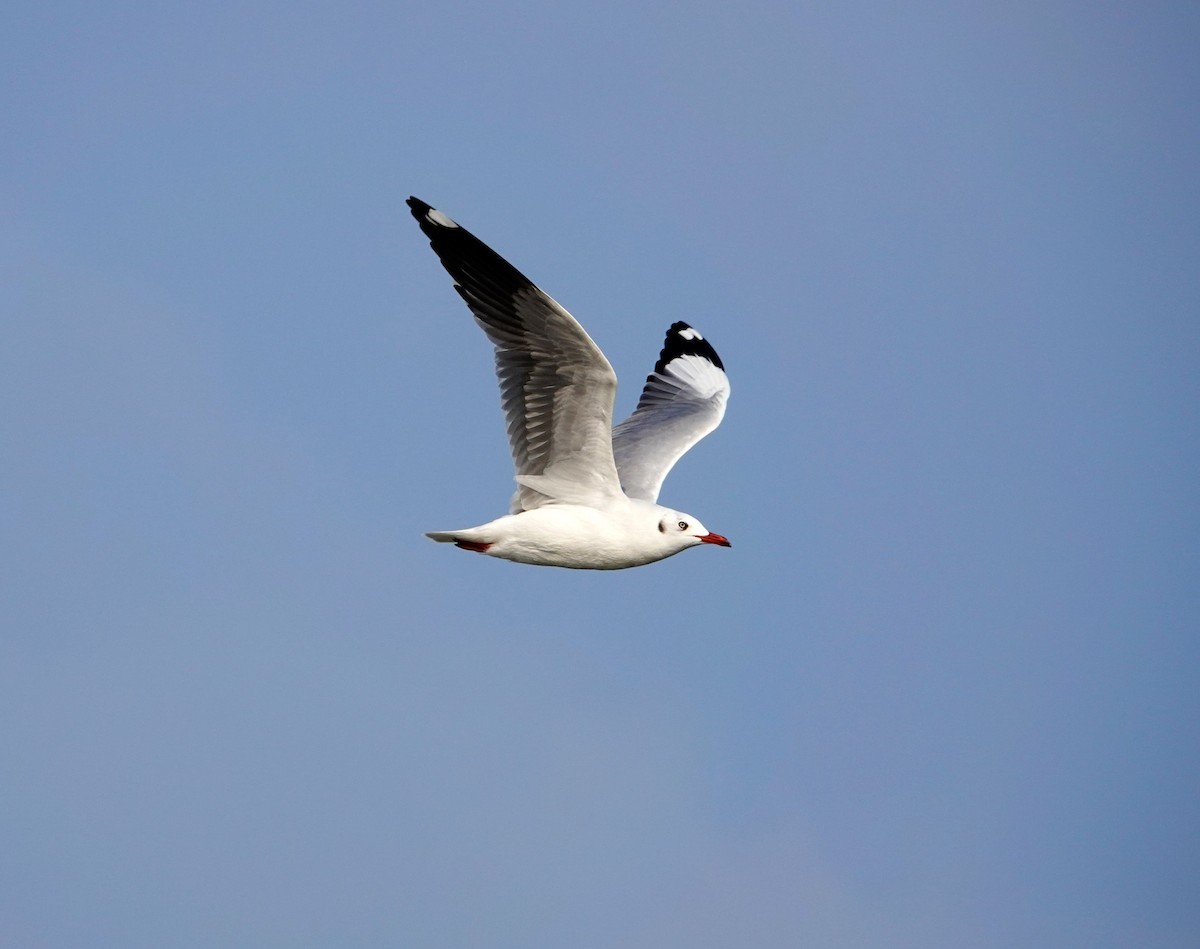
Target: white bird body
(586, 491)
(624, 533)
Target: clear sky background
(941, 692)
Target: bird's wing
(556, 386)
(683, 401)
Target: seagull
(586, 492)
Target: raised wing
(684, 399)
(556, 387)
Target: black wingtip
(430, 218)
(420, 211)
(469, 261)
(683, 340)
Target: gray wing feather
(556, 386)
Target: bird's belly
(572, 537)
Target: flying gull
(586, 492)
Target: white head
(682, 530)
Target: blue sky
(940, 692)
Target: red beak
(714, 539)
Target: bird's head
(686, 531)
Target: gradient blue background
(941, 692)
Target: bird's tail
(467, 540)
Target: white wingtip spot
(437, 217)
(690, 333)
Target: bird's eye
(683, 525)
